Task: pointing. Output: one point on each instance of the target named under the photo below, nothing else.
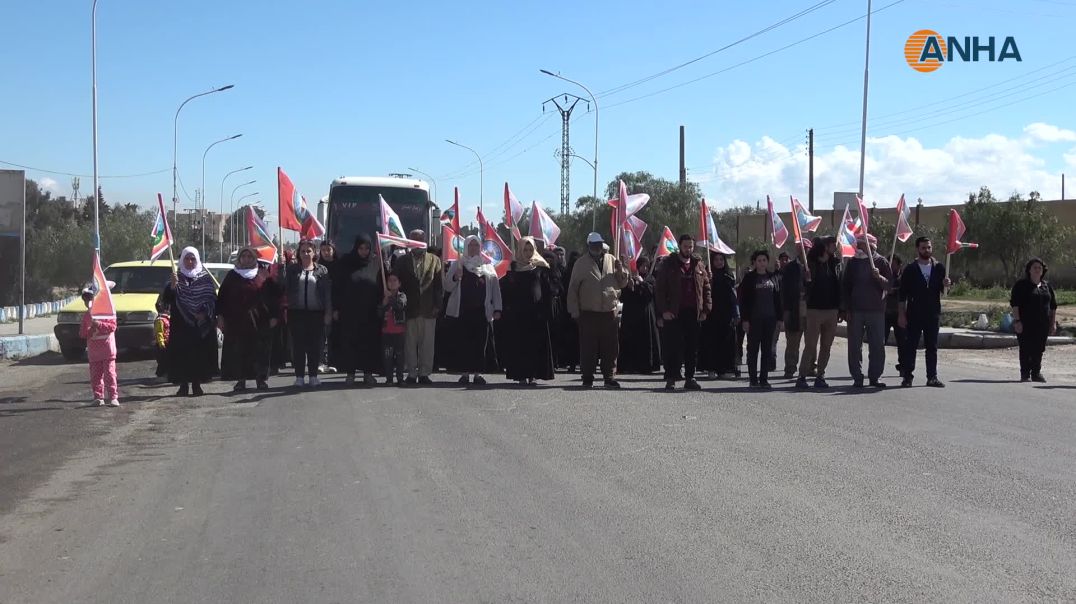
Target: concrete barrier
(966, 338)
(10, 314)
(21, 347)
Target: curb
(974, 340)
(20, 347)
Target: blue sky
(331, 87)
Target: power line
(746, 38)
(59, 173)
(754, 59)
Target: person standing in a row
(191, 300)
(567, 353)
(1034, 311)
(922, 284)
(892, 311)
(823, 289)
(356, 294)
(682, 299)
(247, 311)
(597, 279)
(760, 310)
(527, 295)
(309, 293)
(864, 285)
(640, 347)
(421, 281)
(474, 302)
(795, 311)
(717, 349)
(327, 258)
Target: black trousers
(680, 344)
(1032, 346)
(899, 335)
(392, 350)
(927, 327)
(307, 340)
(760, 340)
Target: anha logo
(926, 50)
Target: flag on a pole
(513, 212)
(451, 216)
(667, 245)
(101, 307)
(384, 240)
(493, 247)
(630, 247)
(778, 230)
(846, 237)
(258, 235)
(904, 229)
(161, 235)
(956, 231)
(632, 204)
(294, 213)
(709, 237)
(391, 224)
(542, 226)
(452, 242)
(864, 216)
(637, 226)
(802, 221)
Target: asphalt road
(967, 494)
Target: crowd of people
(404, 315)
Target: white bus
(351, 208)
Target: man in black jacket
(823, 287)
(795, 314)
(922, 284)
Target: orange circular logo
(917, 43)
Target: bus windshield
(354, 211)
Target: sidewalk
(37, 338)
(951, 337)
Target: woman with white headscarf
(248, 307)
(527, 292)
(192, 343)
(474, 302)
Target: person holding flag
(474, 303)
(823, 302)
(592, 294)
(248, 310)
(99, 331)
(922, 285)
(1034, 310)
(357, 289)
(640, 338)
(528, 296)
(682, 300)
(717, 347)
(421, 281)
(191, 300)
(864, 284)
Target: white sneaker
(114, 403)
(299, 382)
(315, 382)
(99, 402)
(329, 369)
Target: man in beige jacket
(592, 298)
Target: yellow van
(138, 284)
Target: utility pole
(1062, 186)
(565, 104)
(683, 166)
(75, 186)
(810, 170)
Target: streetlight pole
(202, 214)
(222, 207)
(175, 142)
(96, 184)
(240, 202)
(481, 174)
(593, 99)
(434, 182)
(231, 207)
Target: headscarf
(478, 264)
(195, 294)
(198, 269)
(527, 262)
(247, 273)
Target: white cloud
(744, 172)
(50, 185)
(1048, 133)
(1070, 158)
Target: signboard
(12, 191)
(842, 199)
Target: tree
(1013, 231)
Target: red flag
(451, 242)
(102, 306)
(385, 240)
(294, 215)
(513, 212)
(956, 231)
(778, 230)
(258, 236)
(864, 215)
(904, 230)
(451, 216)
(494, 247)
(667, 245)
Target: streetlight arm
(593, 99)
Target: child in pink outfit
(100, 336)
